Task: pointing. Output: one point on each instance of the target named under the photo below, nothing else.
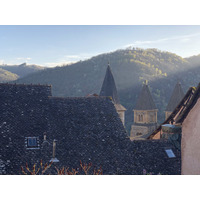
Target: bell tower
(145, 115)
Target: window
(32, 142)
(140, 118)
(170, 153)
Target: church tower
(175, 99)
(109, 89)
(145, 115)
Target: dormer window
(32, 142)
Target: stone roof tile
(109, 88)
(145, 100)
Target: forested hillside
(130, 68)
(6, 76)
(13, 72)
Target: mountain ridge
(17, 71)
(130, 67)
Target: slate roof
(23, 114)
(151, 156)
(145, 100)
(109, 88)
(176, 97)
(87, 129)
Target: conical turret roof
(109, 87)
(176, 97)
(145, 100)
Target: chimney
(54, 159)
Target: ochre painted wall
(190, 144)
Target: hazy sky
(55, 45)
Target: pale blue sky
(55, 45)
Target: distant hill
(6, 76)
(130, 68)
(17, 71)
(194, 60)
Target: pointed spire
(145, 100)
(176, 97)
(109, 87)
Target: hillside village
(63, 131)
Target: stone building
(34, 126)
(109, 89)
(145, 115)
(176, 97)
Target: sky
(51, 45)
